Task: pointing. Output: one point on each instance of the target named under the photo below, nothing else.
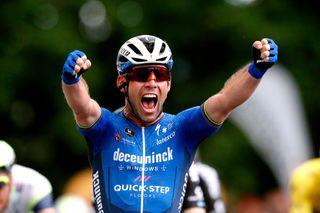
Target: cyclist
(140, 156)
(203, 190)
(304, 186)
(22, 189)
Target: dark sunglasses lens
(142, 74)
(162, 74)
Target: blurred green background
(209, 41)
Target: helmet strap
(129, 102)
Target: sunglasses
(142, 74)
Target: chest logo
(129, 132)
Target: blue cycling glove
(258, 68)
(69, 76)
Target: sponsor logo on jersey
(157, 129)
(121, 139)
(183, 193)
(139, 188)
(140, 178)
(148, 159)
(97, 192)
(129, 132)
(128, 142)
(118, 137)
(146, 168)
(166, 138)
(162, 130)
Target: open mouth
(149, 101)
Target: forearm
(85, 109)
(238, 88)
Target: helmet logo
(124, 52)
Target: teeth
(150, 96)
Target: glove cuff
(69, 80)
(255, 72)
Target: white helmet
(7, 155)
(143, 49)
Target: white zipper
(142, 173)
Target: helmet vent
(163, 47)
(148, 42)
(161, 59)
(139, 59)
(122, 59)
(135, 49)
(149, 46)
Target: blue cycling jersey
(144, 169)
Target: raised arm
(76, 91)
(240, 86)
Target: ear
(120, 83)
(169, 85)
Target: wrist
(70, 79)
(255, 72)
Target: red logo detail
(118, 137)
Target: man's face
(147, 97)
(4, 190)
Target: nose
(151, 81)
(152, 76)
